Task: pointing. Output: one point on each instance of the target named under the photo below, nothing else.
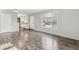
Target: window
(49, 20)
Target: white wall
(67, 23)
(31, 22)
(8, 22)
(14, 23)
(70, 24)
(5, 21)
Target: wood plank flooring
(34, 40)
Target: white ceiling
(23, 11)
(30, 11)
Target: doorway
(24, 23)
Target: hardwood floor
(34, 40)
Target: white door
(5, 23)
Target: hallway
(34, 40)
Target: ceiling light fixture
(16, 10)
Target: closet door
(5, 23)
